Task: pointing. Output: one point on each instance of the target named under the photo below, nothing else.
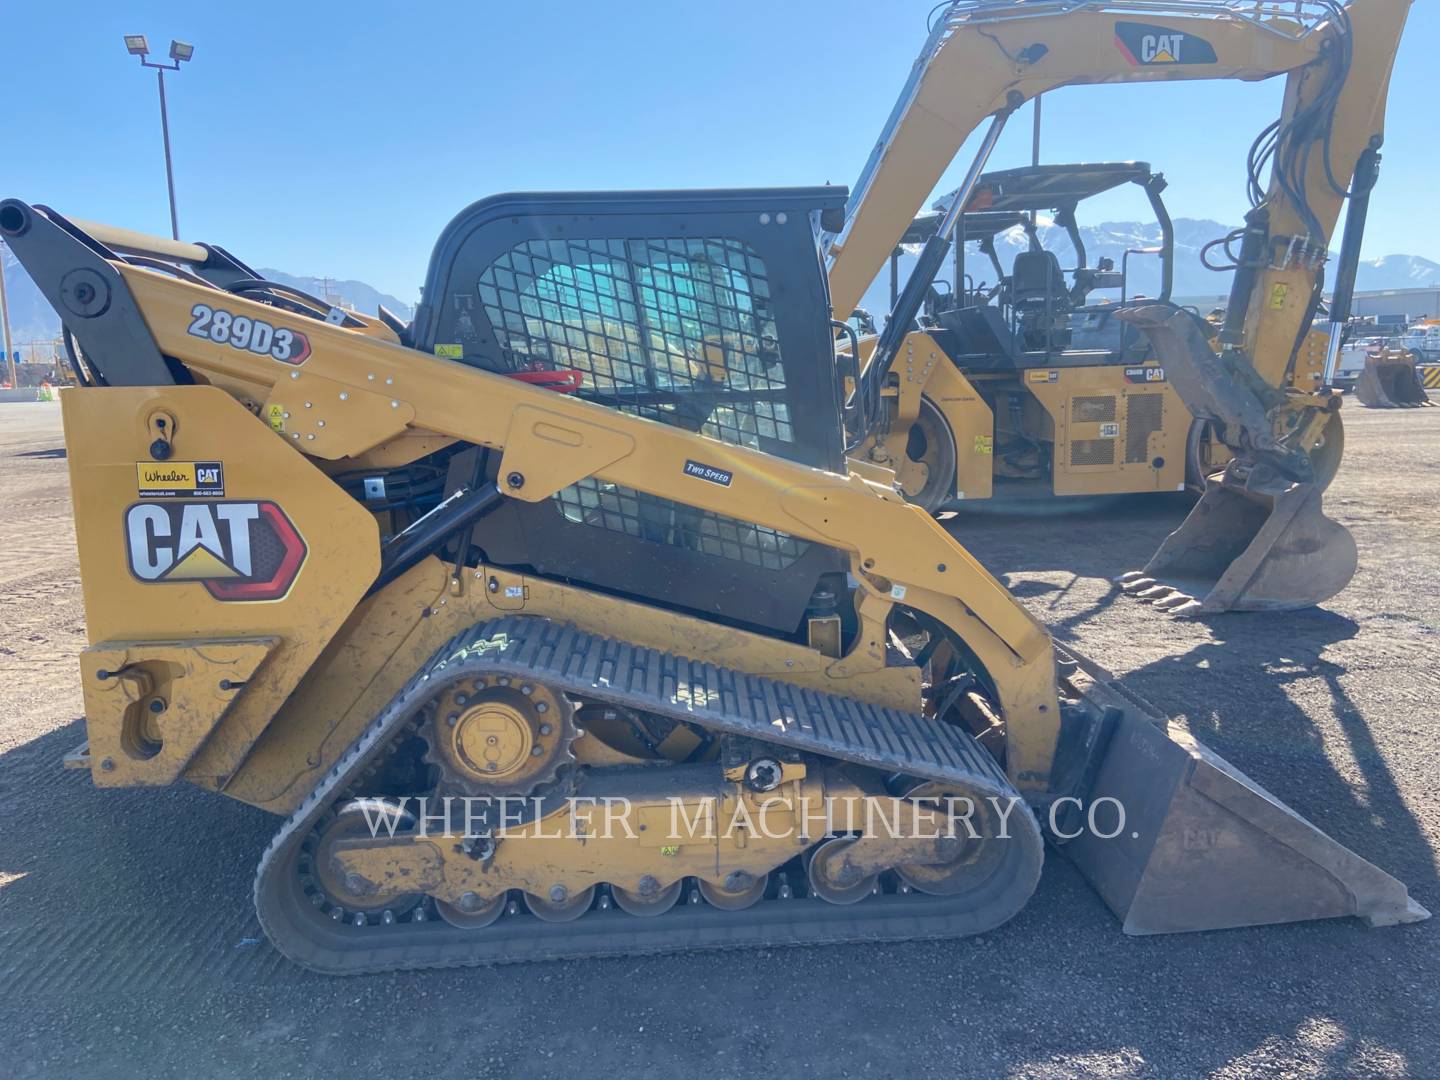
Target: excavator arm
(1263, 389)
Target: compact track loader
(558, 623)
(1258, 538)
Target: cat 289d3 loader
(559, 621)
(1258, 538)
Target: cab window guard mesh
(677, 329)
(645, 517)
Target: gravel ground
(128, 946)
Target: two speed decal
(248, 335)
(701, 471)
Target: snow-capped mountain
(1113, 238)
(32, 318)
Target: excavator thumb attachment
(1257, 540)
(1389, 381)
(1201, 846)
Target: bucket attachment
(1389, 381)
(1259, 546)
(1258, 539)
(1202, 846)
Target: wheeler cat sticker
(237, 550)
(177, 479)
(248, 335)
(1145, 45)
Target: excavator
(562, 620)
(1258, 538)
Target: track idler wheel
(343, 899)
(964, 863)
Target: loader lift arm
(984, 59)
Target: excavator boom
(1276, 416)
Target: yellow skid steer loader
(557, 622)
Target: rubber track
(719, 699)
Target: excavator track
(718, 699)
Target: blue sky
(338, 139)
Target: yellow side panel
(1114, 432)
(231, 535)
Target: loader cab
(708, 311)
(1031, 309)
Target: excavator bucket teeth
(1265, 547)
(1390, 382)
(1203, 847)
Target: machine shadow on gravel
(1252, 720)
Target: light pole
(179, 53)
(5, 326)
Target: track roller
(739, 891)
(560, 906)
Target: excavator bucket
(1389, 381)
(1261, 547)
(1257, 540)
(1200, 845)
